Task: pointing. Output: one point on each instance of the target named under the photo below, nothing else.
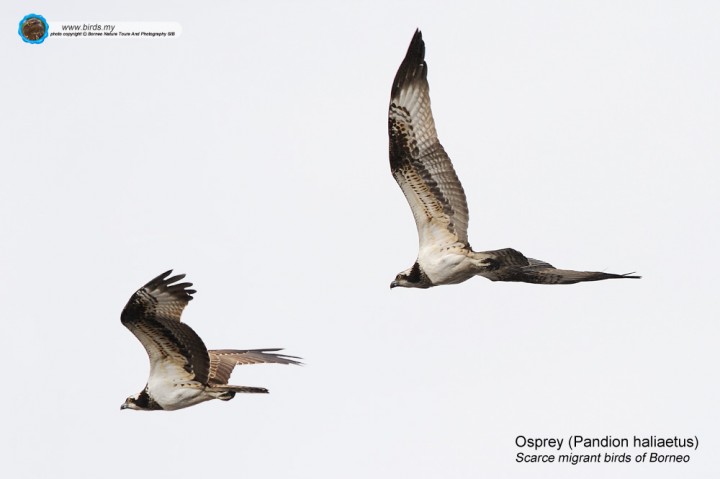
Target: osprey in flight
(182, 370)
(427, 178)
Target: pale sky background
(251, 154)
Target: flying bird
(182, 370)
(426, 176)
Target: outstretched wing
(417, 159)
(511, 265)
(223, 361)
(551, 275)
(153, 315)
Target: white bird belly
(447, 265)
(170, 395)
(172, 387)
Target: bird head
(140, 402)
(131, 403)
(413, 277)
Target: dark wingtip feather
(285, 357)
(164, 282)
(160, 278)
(174, 279)
(601, 276)
(413, 65)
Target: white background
(251, 154)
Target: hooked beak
(124, 406)
(393, 284)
